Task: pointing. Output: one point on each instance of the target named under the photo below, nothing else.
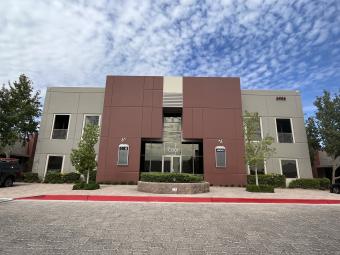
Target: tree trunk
(88, 177)
(7, 153)
(256, 177)
(335, 165)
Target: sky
(274, 44)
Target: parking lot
(63, 227)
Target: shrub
(310, 183)
(170, 177)
(53, 177)
(71, 177)
(275, 180)
(85, 186)
(324, 183)
(30, 177)
(260, 188)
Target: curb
(181, 199)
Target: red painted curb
(181, 199)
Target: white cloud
(267, 43)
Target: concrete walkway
(36, 189)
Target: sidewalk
(118, 192)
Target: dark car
(335, 188)
(10, 170)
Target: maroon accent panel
(132, 110)
(128, 92)
(158, 83)
(147, 122)
(148, 82)
(157, 98)
(212, 110)
(211, 92)
(197, 129)
(147, 98)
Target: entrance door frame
(172, 162)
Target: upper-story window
(284, 131)
(91, 119)
(256, 134)
(60, 126)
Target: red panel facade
(132, 110)
(212, 111)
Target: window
(54, 163)
(257, 132)
(60, 126)
(284, 131)
(220, 156)
(123, 155)
(289, 168)
(91, 119)
(260, 169)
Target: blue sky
(275, 44)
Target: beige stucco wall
(80, 101)
(61, 100)
(172, 84)
(264, 102)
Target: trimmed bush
(275, 180)
(85, 186)
(170, 177)
(260, 188)
(71, 177)
(30, 177)
(53, 177)
(324, 183)
(310, 183)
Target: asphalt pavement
(67, 227)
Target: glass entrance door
(171, 163)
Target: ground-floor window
(289, 168)
(167, 157)
(260, 169)
(54, 163)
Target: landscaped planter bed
(173, 188)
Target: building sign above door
(171, 148)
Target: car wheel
(8, 182)
(336, 190)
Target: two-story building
(172, 124)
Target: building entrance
(171, 163)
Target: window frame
(297, 167)
(291, 126)
(225, 156)
(127, 161)
(68, 126)
(261, 129)
(90, 114)
(264, 165)
(54, 155)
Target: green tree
(257, 149)
(312, 138)
(20, 109)
(327, 120)
(84, 158)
